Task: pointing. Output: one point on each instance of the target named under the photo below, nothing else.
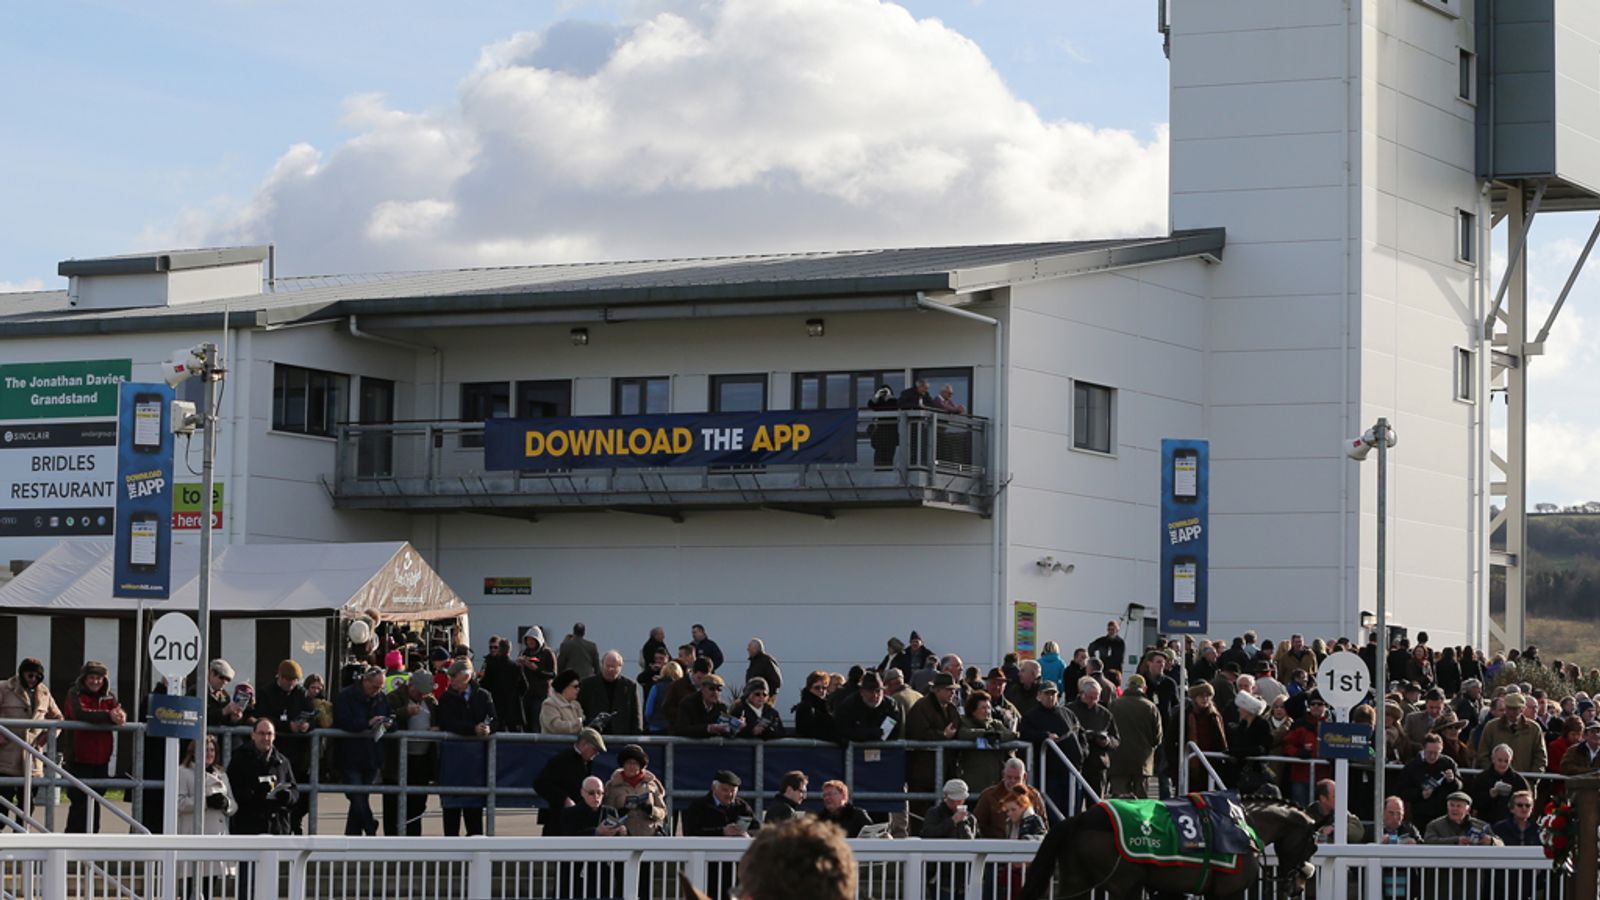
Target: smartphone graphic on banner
(1185, 572)
(143, 543)
(1186, 474)
(147, 413)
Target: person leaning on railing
(982, 764)
(25, 696)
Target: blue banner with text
(142, 560)
(1185, 535)
(679, 439)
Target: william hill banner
(684, 439)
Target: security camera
(182, 365)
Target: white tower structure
(1346, 148)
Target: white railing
(58, 867)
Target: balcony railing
(904, 458)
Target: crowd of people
(1252, 705)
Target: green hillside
(1564, 566)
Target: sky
(362, 136)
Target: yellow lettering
(802, 433)
(780, 436)
(583, 442)
(682, 440)
(535, 445)
(556, 443)
(639, 442)
(662, 443)
(762, 441)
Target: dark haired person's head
(803, 858)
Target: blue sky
(367, 136)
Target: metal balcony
(938, 460)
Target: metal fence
(901, 456)
(58, 867)
(664, 749)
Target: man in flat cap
(721, 812)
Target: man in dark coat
(720, 813)
(1051, 721)
(1099, 732)
(538, 667)
(762, 666)
(933, 718)
(560, 782)
(703, 715)
(285, 702)
(915, 657)
(263, 784)
(359, 709)
(706, 647)
(861, 717)
(610, 700)
(1109, 648)
(1427, 781)
(415, 709)
(578, 653)
(468, 710)
(507, 682)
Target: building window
(480, 402)
(550, 399)
(307, 401)
(843, 390)
(960, 381)
(1466, 236)
(738, 393)
(1465, 376)
(1467, 75)
(1093, 412)
(640, 396)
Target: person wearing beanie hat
(90, 700)
(915, 657)
(466, 709)
(895, 646)
(636, 790)
(25, 696)
(756, 713)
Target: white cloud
(722, 127)
(1562, 457)
(32, 284)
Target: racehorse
(1082, 851)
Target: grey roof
(169, 261)
(832, 277)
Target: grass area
(1576, 641)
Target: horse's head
(1293, 836)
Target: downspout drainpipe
(997, 464)
(438, 396)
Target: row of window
(308, 401)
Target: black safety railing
(903, 457)
(845, 759)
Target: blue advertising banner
(1185, 538)
(680, 439)
(173, 716)
(1346, 740)
(142, 561)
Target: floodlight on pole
(1381, 437)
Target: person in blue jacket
(361, 709)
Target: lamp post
(1382, 437)
(210, 373)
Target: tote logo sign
(695, 439)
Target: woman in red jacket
(1301, 742)
(90, 701)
